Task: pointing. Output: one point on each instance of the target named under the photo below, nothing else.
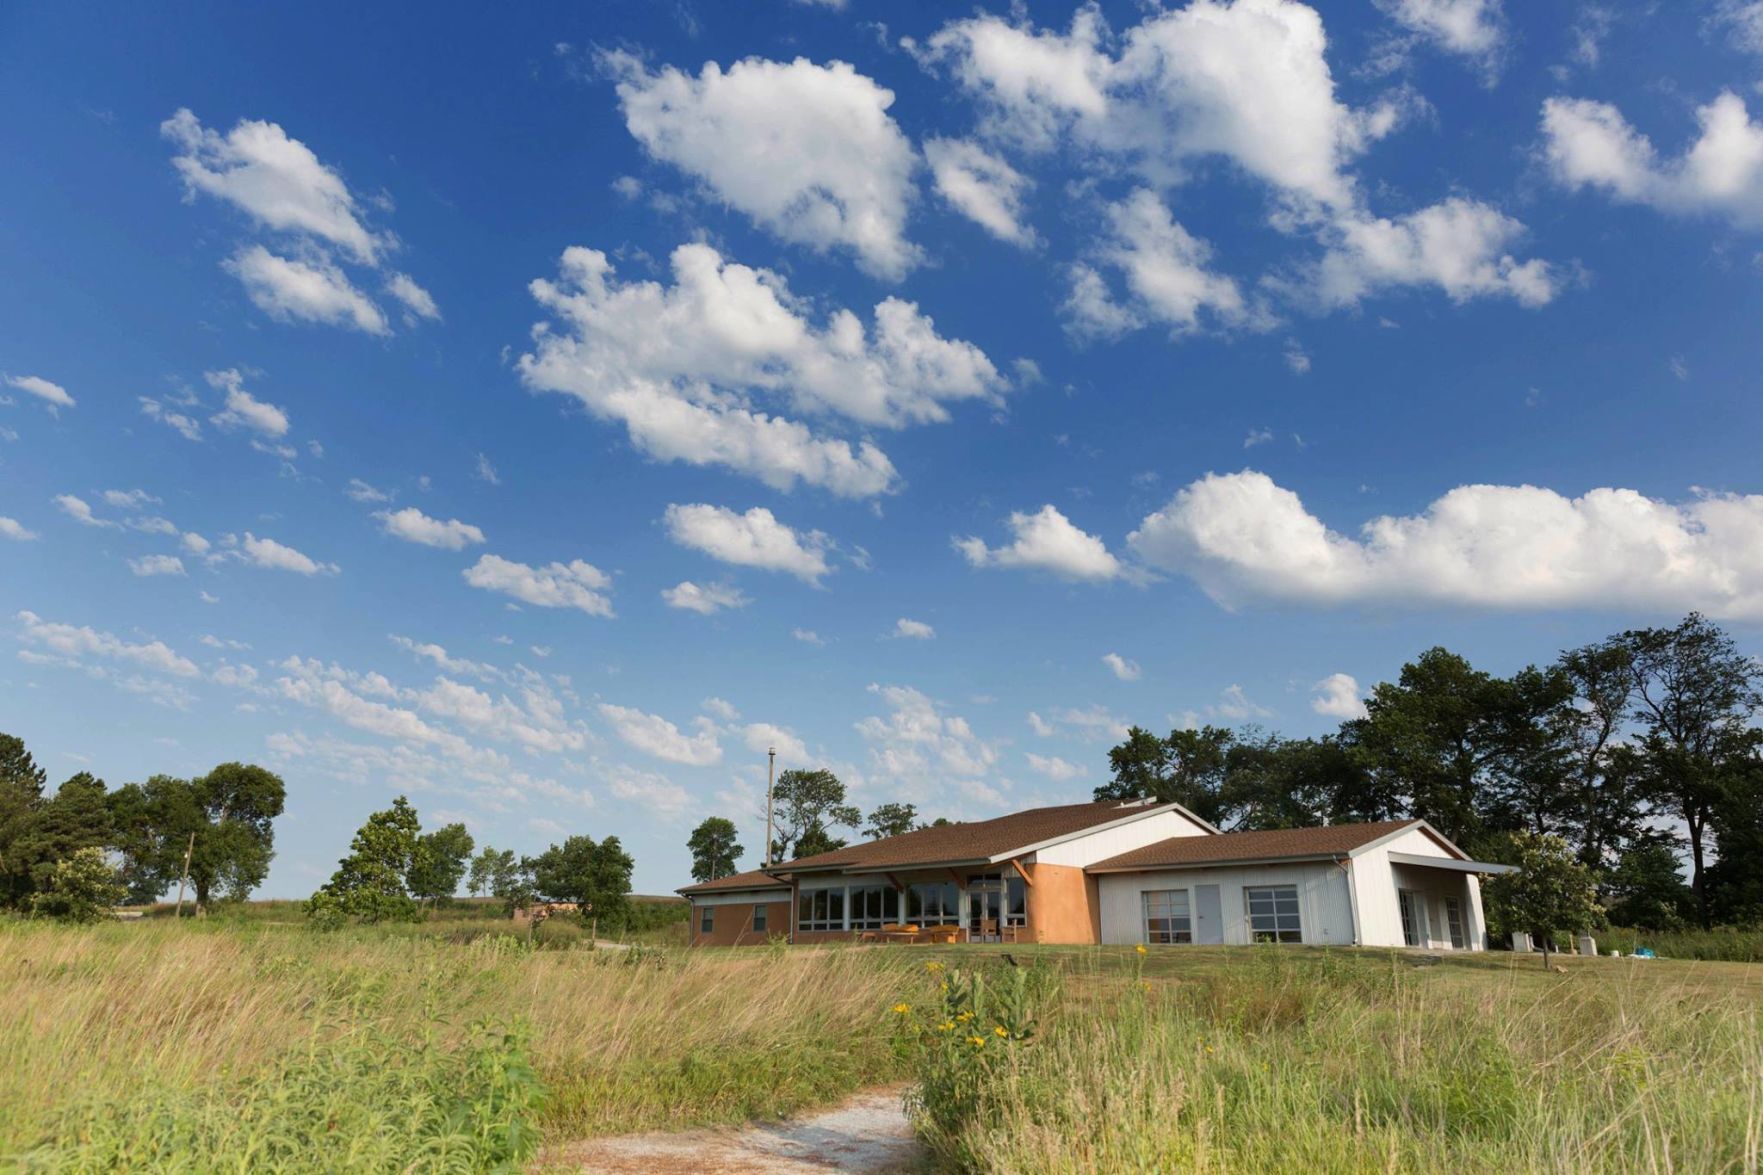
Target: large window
(706, 919)
(759, 912)
(874, 906)
(1410, 918)
(1273, 913)
(936, 903)
(1166, 917)
(821, 909)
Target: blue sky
(543, 410)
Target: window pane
(759, 913)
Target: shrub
(81, 888)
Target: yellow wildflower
(933, 967)
(1000, 1030)
(946, 1026)
(1146, 984)
(1140, 949)
(978, 1042)
(903, 1009)
(965, 1017)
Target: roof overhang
(1451, 863)
(1130, 816)
(1220, 863)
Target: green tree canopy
(807, 805)
(21, 790)
(439, 863)
(76, 817)
(1551, 895)
(595, 876)
(1695, 697)
(369, 884)
(891, 819)
(714, 848)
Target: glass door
(985, 907)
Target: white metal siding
(1111, 842)
(1323, 902)
(1376, 880)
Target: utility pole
(770, 767)
(186, 874)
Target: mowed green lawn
(263, 1045)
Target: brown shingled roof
(752, 879)
(954, 844)
(1272, 845)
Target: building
(1135, 872)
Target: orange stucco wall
(732, 925)
(1063, 905)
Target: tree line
(394, 871)
(84, 848)
(1635, 751)
(808, 808)
(1632, 750)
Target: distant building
(1136, 872)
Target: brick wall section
(733, 924)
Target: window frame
(707, 919)
(948, 905)
(831, 912)
(761, 917)
(1165, 898)
(1455, 924)
(1278, 933)
(879, 906)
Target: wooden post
(182, 880)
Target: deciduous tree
(1550, 895)
(807, 805)
(439, 863)
(369, 884)
(891, 819)
(714, 848)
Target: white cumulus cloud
(914, 630)
(157, 565)
(52, 394)
(81, 641)
(311, 291)
(704, 599)
(274, 179)
(754, 539)
(807, 151)
(1591, 145)
(13, 529)
(982, 187)
(1337, 696)
(274, 556)
(575, 584)
(696, 370)
(656, 736)
(413, 526)
(1045, 541)
(1122, 668)
(243, 410)
(1242, 538)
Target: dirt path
(868, 1134)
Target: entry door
(985, 908)
(1208, 915)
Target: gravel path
(868, 1134)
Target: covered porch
(1438, 902)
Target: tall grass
(1328, 1063)
(1724, 944)
(169, 1023)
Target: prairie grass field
(256, 1044)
